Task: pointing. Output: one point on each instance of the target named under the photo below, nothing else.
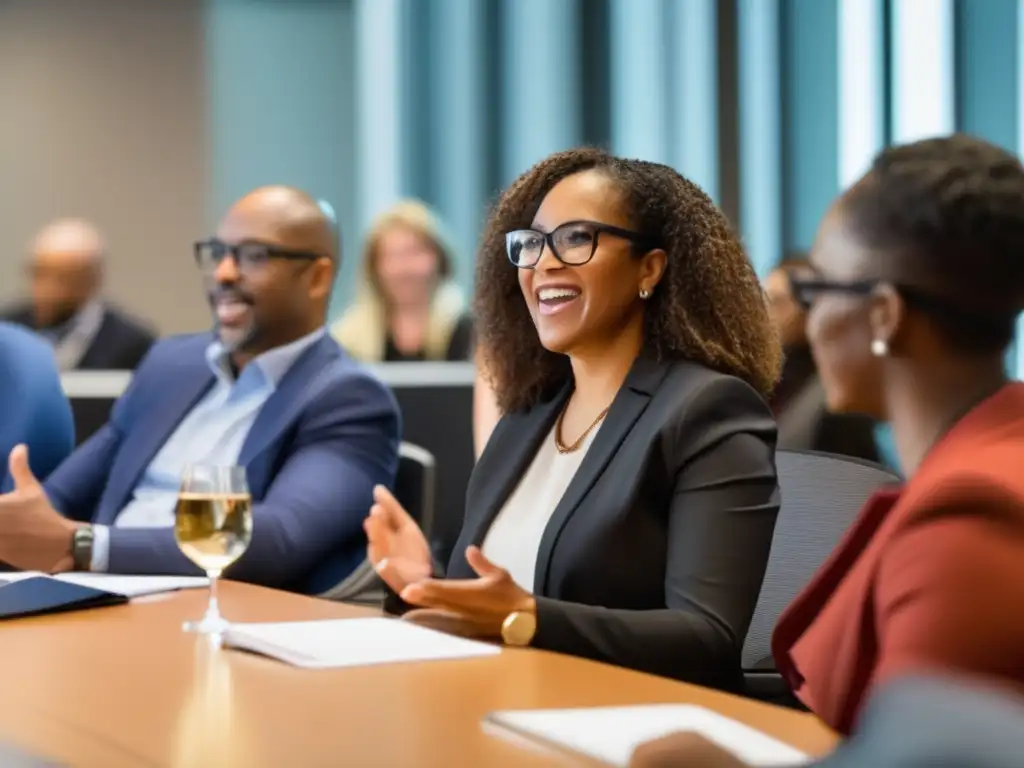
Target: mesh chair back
(821, 496)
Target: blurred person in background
(67, 308)
(805, 422)
(624, 506)
(916, 282)
(33, 408)
(408, 307)
(268, 390)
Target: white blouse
(513, 540)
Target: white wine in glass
(213, 527)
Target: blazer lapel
(516, 441)
(189, 383)
(631, 401)
(287, 401)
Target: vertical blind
(771, 105)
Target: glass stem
(213, 609)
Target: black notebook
(39, 595)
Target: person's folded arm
(316, 503)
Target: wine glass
(213, 527)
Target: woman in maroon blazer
(918, 281)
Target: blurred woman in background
(916, 285)
(408, 307)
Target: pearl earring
(645, 294)
(879, 348)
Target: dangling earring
(879, 348)
(645, 294)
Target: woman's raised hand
(397, 547)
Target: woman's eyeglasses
(573, 243)
(807, 289)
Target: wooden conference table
(125, 686)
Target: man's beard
(245, 342)
(60, 317)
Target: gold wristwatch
(519, 628)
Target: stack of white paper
(352, 642)
(610, 734)
(129, 586)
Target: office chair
(414, 489)
(821, 495)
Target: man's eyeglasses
(573, 243)
(248, 255)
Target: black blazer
(119, 345)
(654, 557)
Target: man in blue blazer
(270, 391)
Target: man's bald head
(277, 286)
(66, 270)
(284, 216)
(72, 240)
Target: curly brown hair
(709, 306)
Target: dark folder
(39, 595)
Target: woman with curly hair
(624, 506)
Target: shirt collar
(270, 367)
(88, 316)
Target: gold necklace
(562, 447)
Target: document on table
(352, 643)
(129, 586)
(135, 586)
(610, 734)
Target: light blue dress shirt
(213, 432)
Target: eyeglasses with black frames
(572, 243)
(808, 289)
(249, 255)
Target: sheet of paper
(610, 734)
(135, 586)
(352, 642)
